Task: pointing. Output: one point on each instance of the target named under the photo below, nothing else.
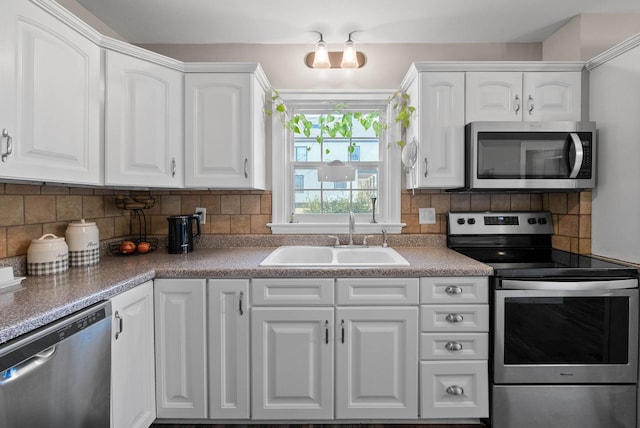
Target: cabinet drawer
(292, 291)
(377, 291)
(454, 389)
(470, 318)
(469, 289)
(454, 346)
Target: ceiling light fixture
(349, 57)
(322, 58)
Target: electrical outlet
(427, 215)
(203, 215)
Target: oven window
(566, 330)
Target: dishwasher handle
(30, 364)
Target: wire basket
(135, 246)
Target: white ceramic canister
(83, 239)
(47, 254)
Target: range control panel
(500, 223)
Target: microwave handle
(577, 144)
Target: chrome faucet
(352, 226)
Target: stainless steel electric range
(564, 332)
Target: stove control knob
(532, 220)
(460, 221)
(471, 221)
(542, 220)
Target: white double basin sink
(300, 255)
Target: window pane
(308, 178)
(307, 202)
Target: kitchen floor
(323, 426)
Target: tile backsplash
(29, 211)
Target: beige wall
(588, 35)
(386, 63)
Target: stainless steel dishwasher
(59, 375)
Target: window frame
(388, 212)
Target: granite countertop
(38, 301)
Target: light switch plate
(427, 215)
(203, 214)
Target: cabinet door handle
(246, 165)
(516, 103)
(454, 318)
(240, 309)
(530, 104)
(5, 155)
(455, 390)
(426, 167)
(453, 290)
(120, 323)
(173, 167)
(342, 333)
(453, 346)
(326, 331)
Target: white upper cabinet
(143, 123)
(51, 97)
(528, 96)
(225, 136)
(437, 127)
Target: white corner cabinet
(133, 399)
(50, 114)
(202, 348)
(437, 127)
(225, 126)
(524, 96)
(143, 119)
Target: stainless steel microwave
(530, 155)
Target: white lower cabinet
(376, 363)
(228, 348)
(181, 359)
(133, 398)
(454, 347)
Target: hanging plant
(340, 123)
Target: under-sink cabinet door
(181, 366)
(228, 332)
(376, 363)
(292, 363)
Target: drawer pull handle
(453, 289)
(453, 318)
(453, 346)
(455, 390)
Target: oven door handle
(618, 284)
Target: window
(323, 207)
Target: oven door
(566, 332)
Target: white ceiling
(377, 21)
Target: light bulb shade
(349, 57)
(321, 58)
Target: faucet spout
(352, 226)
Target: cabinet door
(143, 129)
(224, 137)
(441, 137)
(552, 96)
(494, 96)
(181, 366)
(50, 91)
(292, 363)
(376, 363)
(133, 401)
(228, 348)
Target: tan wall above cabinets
(29, 211)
